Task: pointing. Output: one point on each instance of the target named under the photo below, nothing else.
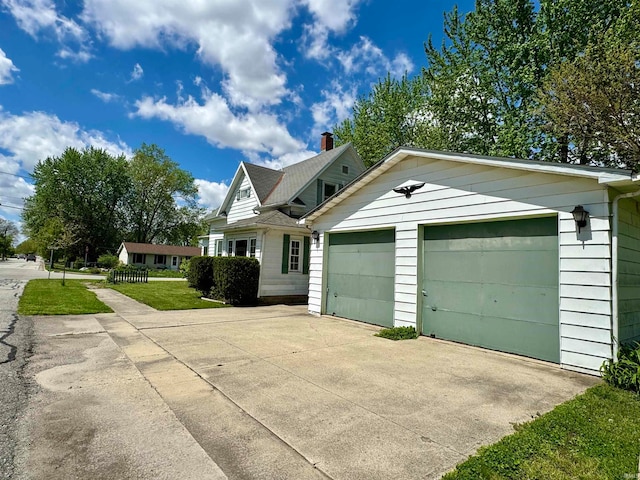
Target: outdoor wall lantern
(315, 235)
(580, 215)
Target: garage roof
(618, 178)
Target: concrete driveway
(272, 392)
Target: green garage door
(360, 274)
(494, 285)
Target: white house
(155, 256)
(485, 251)
(258, 217)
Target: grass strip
(398, 333)
(50, 297)
(169, 295)
(594, 436)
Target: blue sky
(212, 82)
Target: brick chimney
(326, 142)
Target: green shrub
(200, 275)
(625, 373)
(108, 261)
(235, 280)
(398, 333)
(184, 268)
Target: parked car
(22, 256)
(31, 257)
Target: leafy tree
(481, 90)
(27, 246)
(161, 204)
(85, 189)
(64, 238)
(392, 115)
(594, 103)
(8, 232)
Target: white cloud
(237, 36)
(6, 69)
(35, 136)
(137, 72)
(366, 57)
(106, 97)
(330, 16)
(213, 119)
(40, 16)
(336, 15)
(211, 193)
(335, 107)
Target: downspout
(614, 273)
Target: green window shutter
(320, 196)
(307, 252)
(285, 253)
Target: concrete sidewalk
(272, 392)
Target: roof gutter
(615, 322)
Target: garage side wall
(457, 193)
(628, 271)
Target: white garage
(487, 251)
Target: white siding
(456, 193)
(272, 281)
(124, 256)
(242, 208)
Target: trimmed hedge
(230, 279)
(235, 280)
(200, 274)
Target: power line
(10, 206)
(16, 175)
(9, 196)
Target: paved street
(14, 345)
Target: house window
(218, 251)
(174, 261)
(345, 169)
(244, 193)
(329, 190)
(139, 258)
(241, 248)
(160, 259)
(205, 251)
(294, 256)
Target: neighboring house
(485, 251)
(155, 256)
(258, 217)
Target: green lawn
(50, 297)
(165, 274)
(595, 436)
(171, 295)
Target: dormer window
(329, 190)
(243, 193)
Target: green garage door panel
(495, 285)
(360, 276)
